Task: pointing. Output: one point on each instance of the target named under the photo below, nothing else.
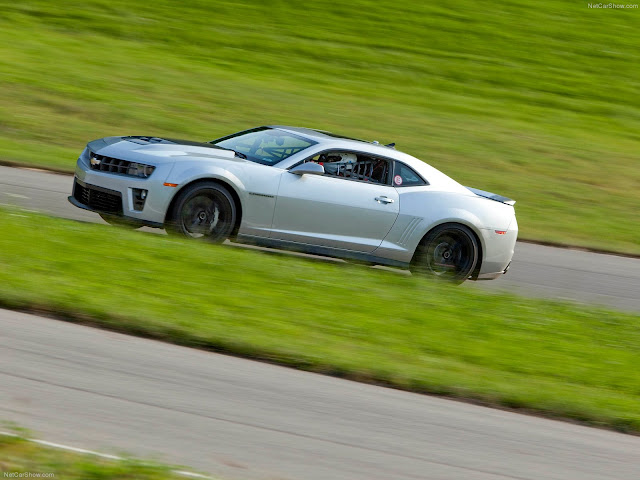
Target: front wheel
(449, 252)
(204, 210)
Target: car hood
(155, 150)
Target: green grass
(558, 359)
(534, 100)
(19, 456)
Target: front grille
(103, 163)
(98, 198)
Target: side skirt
(319, 250)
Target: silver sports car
(301, 189)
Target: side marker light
(501, 232)
(170, 184)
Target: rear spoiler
(492, 196)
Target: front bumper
(119, 195)
(77, 202)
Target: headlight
(140, 170)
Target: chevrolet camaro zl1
(302, 189)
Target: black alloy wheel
(204, 210)
(449, 252)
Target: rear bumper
(498, 251)
(492, 276)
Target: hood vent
(142, 140)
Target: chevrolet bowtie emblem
(95, 161)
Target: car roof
(341, 141)
(318, 135)
(332, 140)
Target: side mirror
(308, 168)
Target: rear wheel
(449, 252)
(204, 210)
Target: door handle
(384, 199)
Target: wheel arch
(230, 188)
(476, 234)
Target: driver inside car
(339, 164)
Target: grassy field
(18, 456)
(534, 100)
(554, 358)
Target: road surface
(239, 419)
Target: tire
(119, 221)
(204, 211)
(449, 252)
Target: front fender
(255, 185)
(186, 174)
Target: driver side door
(351, 207)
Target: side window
(404, 176)
(354, 166)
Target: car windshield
(264, 144)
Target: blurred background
(534, 100)
(537, 101)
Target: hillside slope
(534, 100)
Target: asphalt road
(536, 270)
(240, 419)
